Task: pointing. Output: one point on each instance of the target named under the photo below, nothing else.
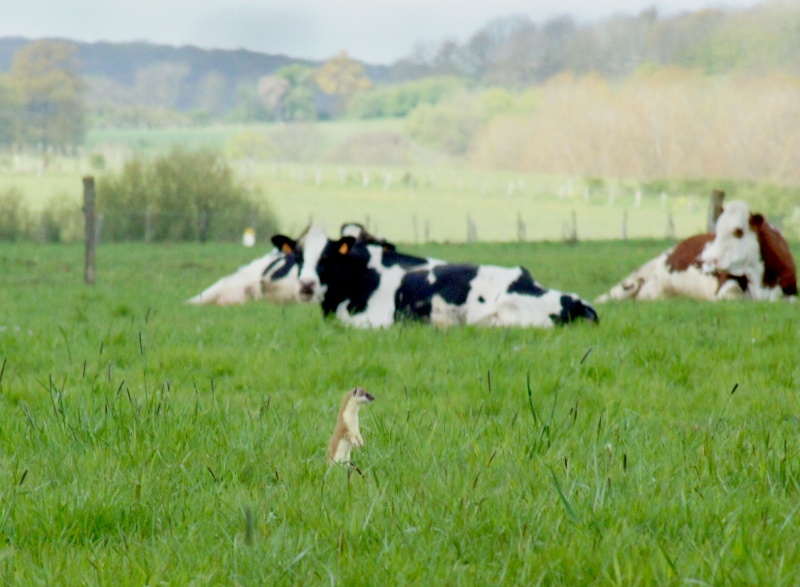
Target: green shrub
(449, 127)
(396, 101)
(180, 196)
(14, 216)
(61, 221)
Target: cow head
(360, 234)
(306, 252)
(279, 278)
(735, 249)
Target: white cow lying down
(246, 283)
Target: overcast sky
(376, 31)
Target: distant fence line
(567, 189)
(70, 228)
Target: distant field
(149, 141)
(145, 441)
(441, 201)
(422, 200)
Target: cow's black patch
(347, 278)
(288, 261)
(391, 258)
(572, 309)
(414, 297)
(525, 285)
(453, 282)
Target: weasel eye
(738, 233)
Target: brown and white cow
(678, 272)
(746, 244)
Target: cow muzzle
(306, 291)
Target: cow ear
(284, 243)
(387, 246)
(756, 220)
(345, 244)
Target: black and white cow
(370, 286)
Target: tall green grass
(148, 441)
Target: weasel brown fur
(347, 434)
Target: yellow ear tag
(343, 249)
(285, 248)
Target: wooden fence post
(715, 208)
(574, 237)
(148, 226)
(472, 230)
(89, 230)
(203, 226)
(625, 225)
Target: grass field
(145, 441)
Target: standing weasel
(346, 435)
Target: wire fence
(68, 226)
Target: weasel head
(361, 395)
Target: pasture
(145, 441)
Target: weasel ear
(355, 391)
(284, 243)
(345, 244)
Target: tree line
(516, 52)
(42, 101)
(162, 86)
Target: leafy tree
(341, 78)
(249, 107)
(272, 91)
(46, 74)
(11, 112)
(449, 126)
(298, 102)
(211, 92)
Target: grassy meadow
(145, 441)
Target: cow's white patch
(282, 288)
(655, 281)
(735, 248)
(312, 244)
(379, 312)
(246, 284)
